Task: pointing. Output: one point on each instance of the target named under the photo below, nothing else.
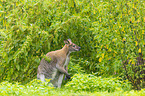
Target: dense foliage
(92, 83)
(33, 87)
(110, 33)
(37, 88)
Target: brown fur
(55, 69)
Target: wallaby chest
(67, 59)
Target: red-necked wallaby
(57, 67)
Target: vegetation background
(111, 34)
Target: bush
(88, 82)
(75, 66)
(37, 88)
(27, 35)
(33, 87)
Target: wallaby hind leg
(42, 77)
(60, 80)
(54, 79)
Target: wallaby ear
(69, 40)
(66, 41)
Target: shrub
(88, 82)
(37, 88)
(28, 34)
(75, 66)
(33, 87)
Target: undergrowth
(79, 85)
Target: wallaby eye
(74, 46)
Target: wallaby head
(72, 47)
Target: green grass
(33, 91)
(37, 88)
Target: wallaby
(57, 67)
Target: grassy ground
(32, 89)
(65, 92)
